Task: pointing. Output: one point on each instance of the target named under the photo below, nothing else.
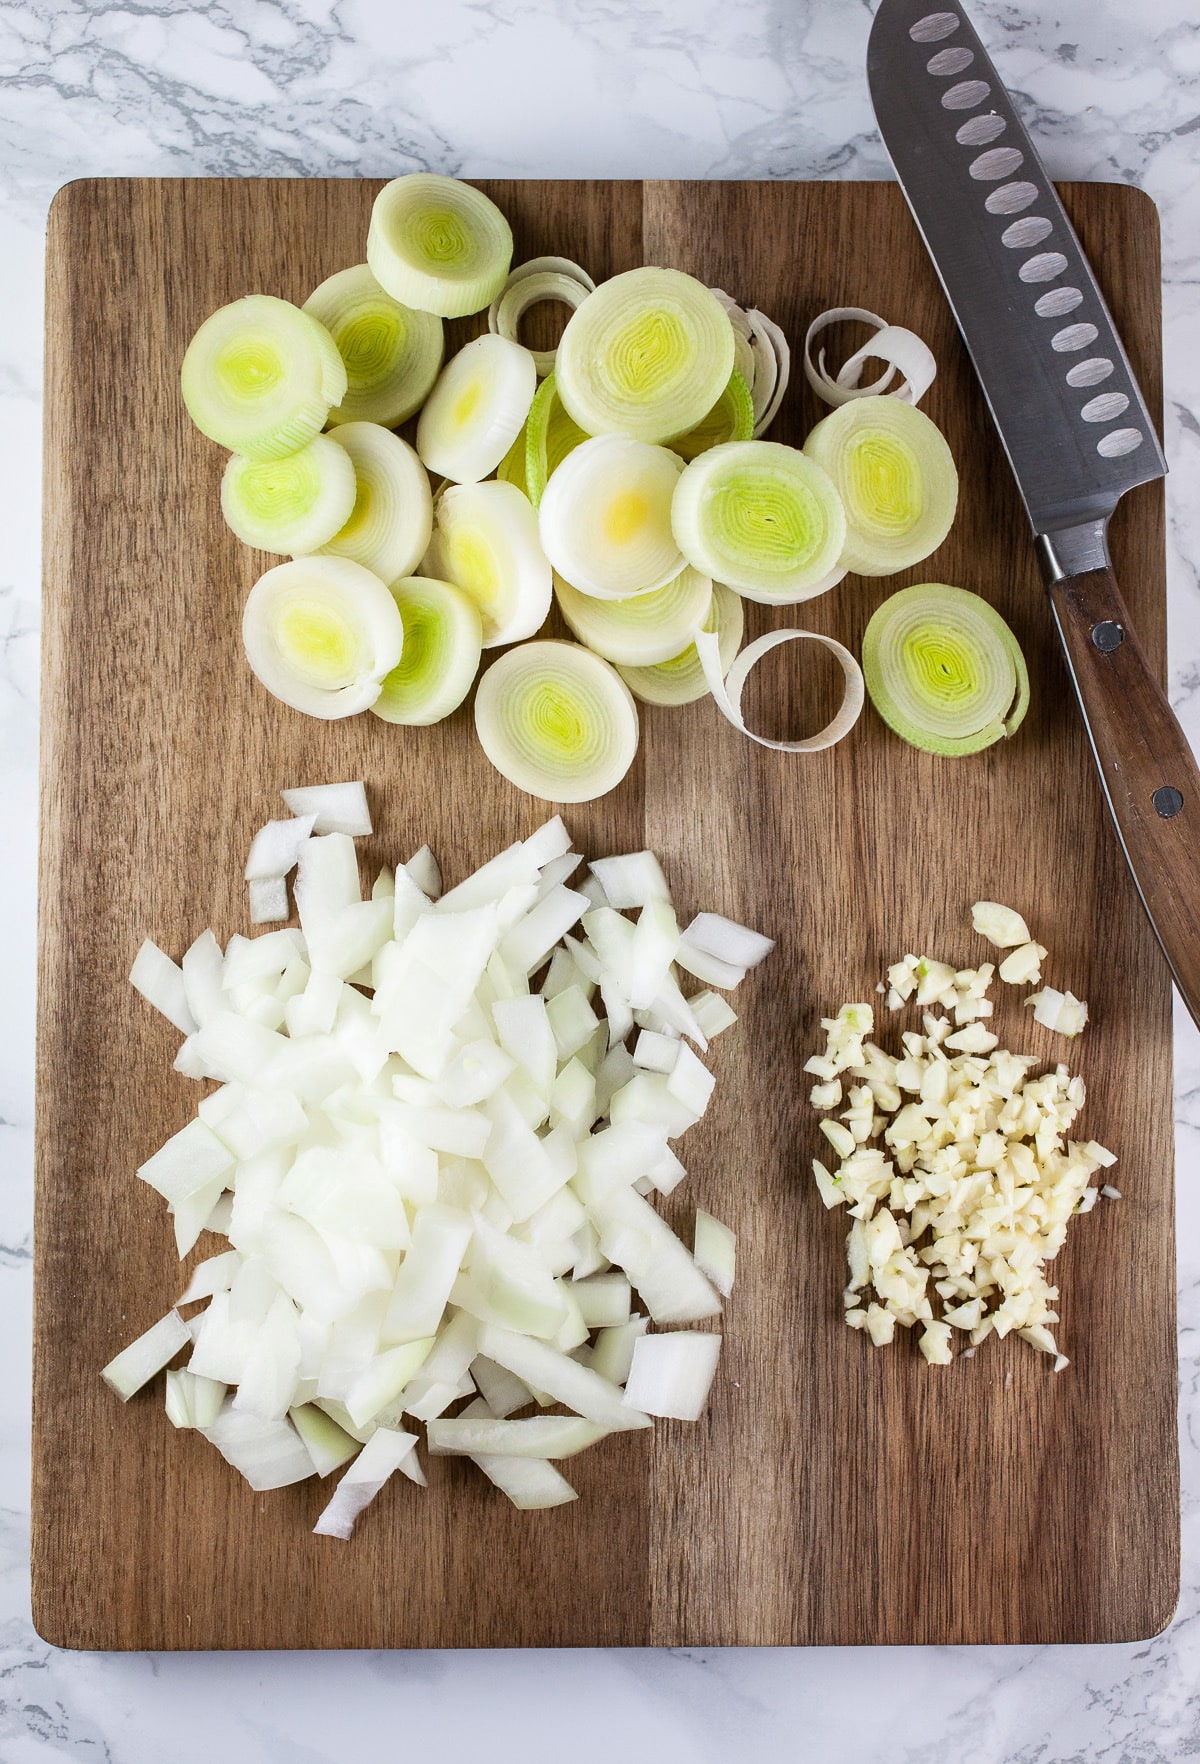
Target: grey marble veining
(767, 88)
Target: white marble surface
(569, 87)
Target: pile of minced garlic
(969, 1195)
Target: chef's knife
(1070, 415)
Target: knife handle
(1148, 770)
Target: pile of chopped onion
(439, 1122)
(968, 1197)
(636, 465)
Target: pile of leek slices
(431, 1163)
(623, 474)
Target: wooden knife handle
(1148, 770)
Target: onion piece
(136, 1365)
(672, 1374)
(530, 1483)
(540, 1436)
(269, 1454)
(275, 849)
(385, 1452)
(328, 1445)
(438, 244)
(765, 519)
(161, 983)
(321, 633)
(901, 350)
(728, 691)
(391, 352)
(557, 721)
(336, 808)
(715, 1248)
(477, 409)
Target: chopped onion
(336, 808)
(672, 1374)
(137, 1364)
(384, 1453)
(161, 983)
(714, 1250)
(275, 849)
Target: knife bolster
(1074, 551)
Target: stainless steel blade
(1070, 415)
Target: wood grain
(831, 1493)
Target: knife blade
(1070, 415)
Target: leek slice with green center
(644, 630)
(392, 353)
(392, 518)
(557, 721)
(486, 541)
(681, 679)
(944, 670)
(443, 636)
(763, 518)
(438, 245)
(321, 633)
(730, 419)
(260, 377)
(897, 480)
(293, 505)
(477, 409)
(550, 434)
(647, 355)
(605, 517)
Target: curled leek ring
(542, 278)
(901, 351)
(728, 691)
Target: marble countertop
(695, 88)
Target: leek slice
(605, 517)
(681, 679)
(438, 245)
(730, 419)
(897, 480)
(765, 519)
(728, 691)
(321, 633)
(550, 434)
(486, 542)
(944, 670)
(647, 355)
(293, 505)
(443, 635)
(763, 357)
(644, 630)
(542, 278)
(511, 469)
(477, 409)
(901, 350)
(557, 721)
(390, 524)
(392, 353)
(260, 377)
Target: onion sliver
(392, 353)
(443, 635)
(728, 691)
(762, 518)
(438, 245)
(486, 541)
(944, 670)
(896, 478)
(681, 679)
(541, 279)
(644, 630)
(900, 349)
(260, 377)
(477, 409)
(557, 721)
(550, 434)
(293, 505)
(321, 633)
(730, 419)
(647, 355)
(392, 518)
(605, 517)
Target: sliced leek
(511, 469)
(647, 355)
(557, 721)
(477, 409)
(763, 357)
(681, 679)
(485, 540)
(944, 670)
(896, 478)
(901, 350)
(730, 419)
(605, 517)
(438, 245)
(763, 518)
(554, 279)
(443, 635)
(728, 690)
(389, 527)
(550, 434)
(645, 630)
(392, 353)
(293, 505)
(260, 377)
(321, 633)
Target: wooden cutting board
(832, 1493)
